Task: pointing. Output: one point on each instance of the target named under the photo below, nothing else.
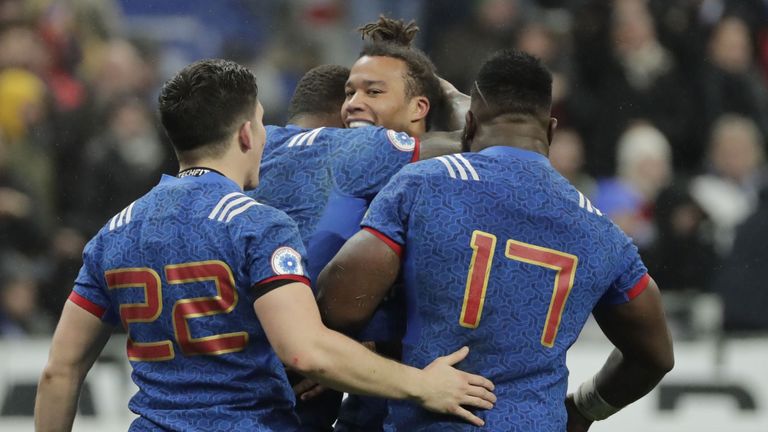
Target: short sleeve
(275, 252)
(90, 292)
(631, 277)
(368, 158)
(388, 214)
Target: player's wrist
(590, 403)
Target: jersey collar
(210, 177)
(515, 152)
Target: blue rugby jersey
(324, 179)
(502, 254)
(181, 268)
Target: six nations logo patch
(401, 140)
(286, 260)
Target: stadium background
(663, 110)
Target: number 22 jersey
(502, 254)
(181, 268)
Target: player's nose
(354, 103)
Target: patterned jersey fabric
(181, 268)
(502, 254)
(324, 179)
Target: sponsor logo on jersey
(285, 260)
(401, 140)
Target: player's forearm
(623, 380)
(343, 364)
(56, 401)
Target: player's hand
(447, 390)
(307, 389)
(576, 421)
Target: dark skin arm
(354, 283)
(643, 353)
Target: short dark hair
(392, 38)
(205, 102)
(514, 82)
(320, 91)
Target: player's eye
(374, 91)
(349, 93)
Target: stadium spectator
(130, 143)
(644, 168)
(739, 282)
(566, 154)
(730, 82)
(639, 81)
(20, 314)
(735, 164)
(517, 224)
(204, 235)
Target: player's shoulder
(457, 166)
(381, 136)
(292, 136)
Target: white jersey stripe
(231, 205)
(303, 139)
(314, 135)
(129, 213)
(581, 199)
(241, 209)
(447, 164)
(226, 198)
(113, 222)
(589, 206)
(121, 218)
(462, 172)
(295, 138)
(469, 166)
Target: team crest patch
(286, 260)
(401, 140)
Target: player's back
(503, 255)
(295, 173)
(178, 266)
(324, 178)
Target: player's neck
(227, 165)
(525, 136)
(314, 121)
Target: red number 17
(484, 245)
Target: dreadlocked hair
(390, 30)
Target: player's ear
(245, 136)
(551, 129)
(420, 106)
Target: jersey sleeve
(364, 161)
(90, 292)
(388, 215)
(274, 254)
(631, 277)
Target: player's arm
(79, 338)
(292, 323)
(643, 355)
(458, 101)
(357, 279)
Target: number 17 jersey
(502, 254)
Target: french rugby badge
(286, 260)
(401, 140)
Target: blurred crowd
(662, 108)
